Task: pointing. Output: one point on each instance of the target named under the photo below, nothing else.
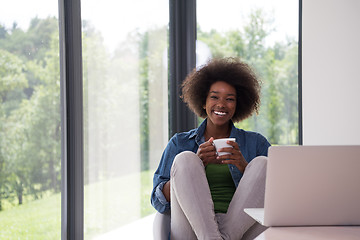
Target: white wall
(330, 72)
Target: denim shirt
(251, 145)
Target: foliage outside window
(30, 131)
(277, 67)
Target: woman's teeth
(220, 113)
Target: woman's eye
(213, 97)
(230, 99)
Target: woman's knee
(259, 163)
(187, 162)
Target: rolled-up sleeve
(159, 194)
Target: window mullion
(72, 202)
(182, 61)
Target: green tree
(95, 74)
(275, 65)
(288, 76)
(30, 44)
(144, 100)
(11, 77)
(43, 122)
(30, 148)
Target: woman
(206, 192)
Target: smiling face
(220, 103)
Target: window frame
(182, 56)
(71, 90)
(300, 111)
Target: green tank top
(221, 185)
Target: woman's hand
(207, 152)
(235, 157)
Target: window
(265, 35)
(125, 81)
(125, 100)
(30, 129)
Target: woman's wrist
(166, 191)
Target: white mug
(222, 143)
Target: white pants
(192, 208)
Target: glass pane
(125, 112)
(265, 35)
(30, 133)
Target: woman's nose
(220, 103)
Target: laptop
(311, 186)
